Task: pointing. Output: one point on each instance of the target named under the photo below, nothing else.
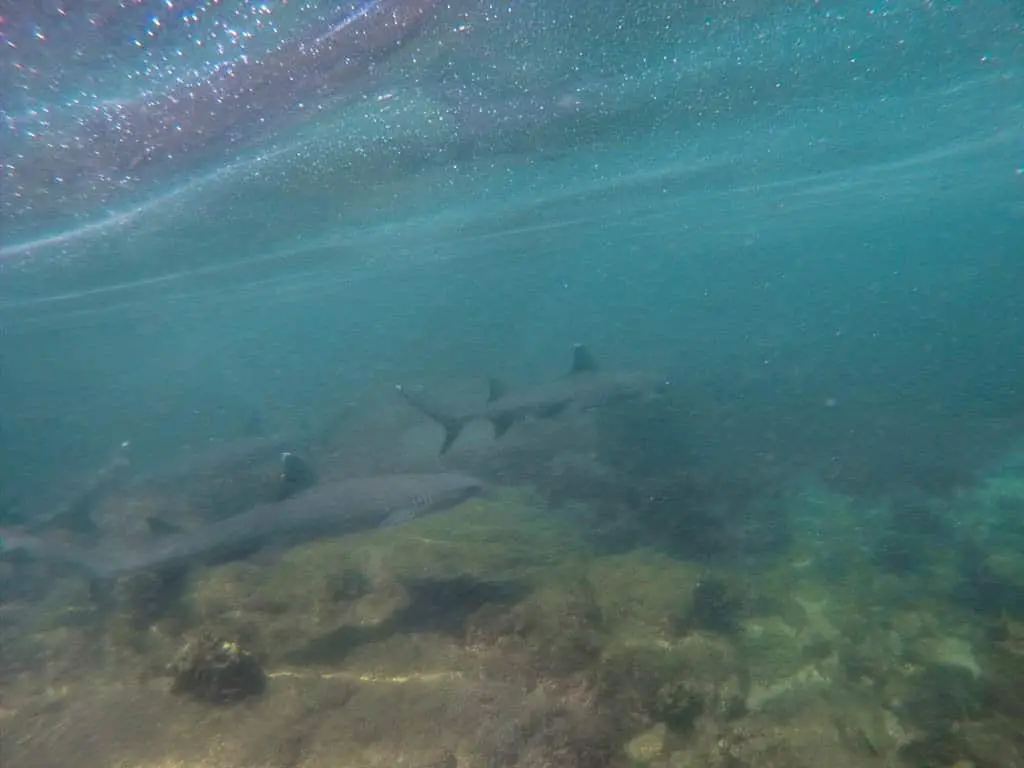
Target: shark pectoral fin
(160, 527)
(398, 517)
(76, 517)
(496, 389)
(582, 360)
(451, 434)
(502, 424)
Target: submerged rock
(936, 697)
(992, 744)
(718, 604)
(697, 677)
(773, 648)
(558, 628)
(648, 746)
(145, 597)
(543, 732)
(216, 671)
(446, 759)
(811, 736)
(678, 703)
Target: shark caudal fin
(452, 425)
(76, 514)
(37, 548)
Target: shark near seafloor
(331, 509)
(585, 387)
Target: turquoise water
(809, 216)
(800, 204)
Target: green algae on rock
(216, 671)
(558, 628)
(673, 682)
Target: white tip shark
(585, 387)
(238, 465)
(331, 509)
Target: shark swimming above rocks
(229, 474)
(330, 509)
(585, 387)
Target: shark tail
(101, 573)
(76, 514)
(452, 425)
(37, 548)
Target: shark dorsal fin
(496, 389)
(582, 360)
(160, 527)
(297, 474)
(295, 469)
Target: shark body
(585, 387)
(230, 475)
(333, 509)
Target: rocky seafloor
(495, 635)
